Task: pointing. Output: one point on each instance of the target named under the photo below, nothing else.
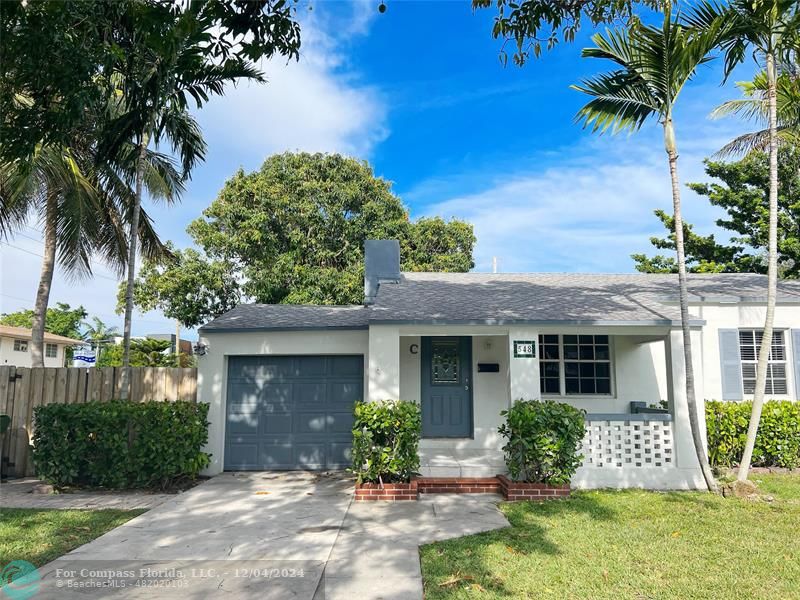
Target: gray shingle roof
(511, 298)
(254, 317)
(546, 297)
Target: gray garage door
(291, 412)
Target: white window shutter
(731, 364)
(796, 361)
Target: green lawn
(630, 544)
(40, 536)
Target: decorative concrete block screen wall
(617, 443)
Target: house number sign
(524, 349)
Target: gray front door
(447, 386)
(291, 412)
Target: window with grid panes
(577, 364)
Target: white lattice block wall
(628, 444)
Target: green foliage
(652, 64)
(777, 442)
(742, 190)
(60, 58)
(144, 353)
(186, 287)
(544, 439)
(98, 332)
(61, 320)
(385, 441)
(534, 25)
(294, 231)
(120, 444)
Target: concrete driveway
(268, 535)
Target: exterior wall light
(200, 349)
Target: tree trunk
(691, 400)
(45, 280)
(133, 240)
(177, 343)
(772, 272)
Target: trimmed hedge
(120, 444)
(777, 442)
(386, 441)
(544, 439)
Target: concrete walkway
(269, 535)
(18, 493)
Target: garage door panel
(346, 366)
(310, 455)
(309, 394)
(290, 412)
(345, 393)
(341, 422)
(276, 397)
(243, 423)
(275, 455)
(310, 366)
(277, 423)
(340, 454)
(310, 422)
(243, 453)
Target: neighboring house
(185, 345)
(281, 380)
(15, 343)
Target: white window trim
(562, 379)
(49, 345)
(787, 362)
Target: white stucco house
(281, 380)
(15, 348)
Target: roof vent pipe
(381, 265)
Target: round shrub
(120, 444)
(777, 441)
(544, 439)
(386, 441)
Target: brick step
(458, 485)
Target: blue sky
(420, 93)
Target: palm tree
(83, 205)
(768, 29)
(164, 66)
(754, 106)
(655, 63)
(98, 332)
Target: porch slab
(453, 462)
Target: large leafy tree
(653, 64)
(767, 30)
(61, 319)
(294, 230)
(741, 188)
(186, 287)
(531, 26)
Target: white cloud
(314, 104)
(588, 209)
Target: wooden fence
(23, 389)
